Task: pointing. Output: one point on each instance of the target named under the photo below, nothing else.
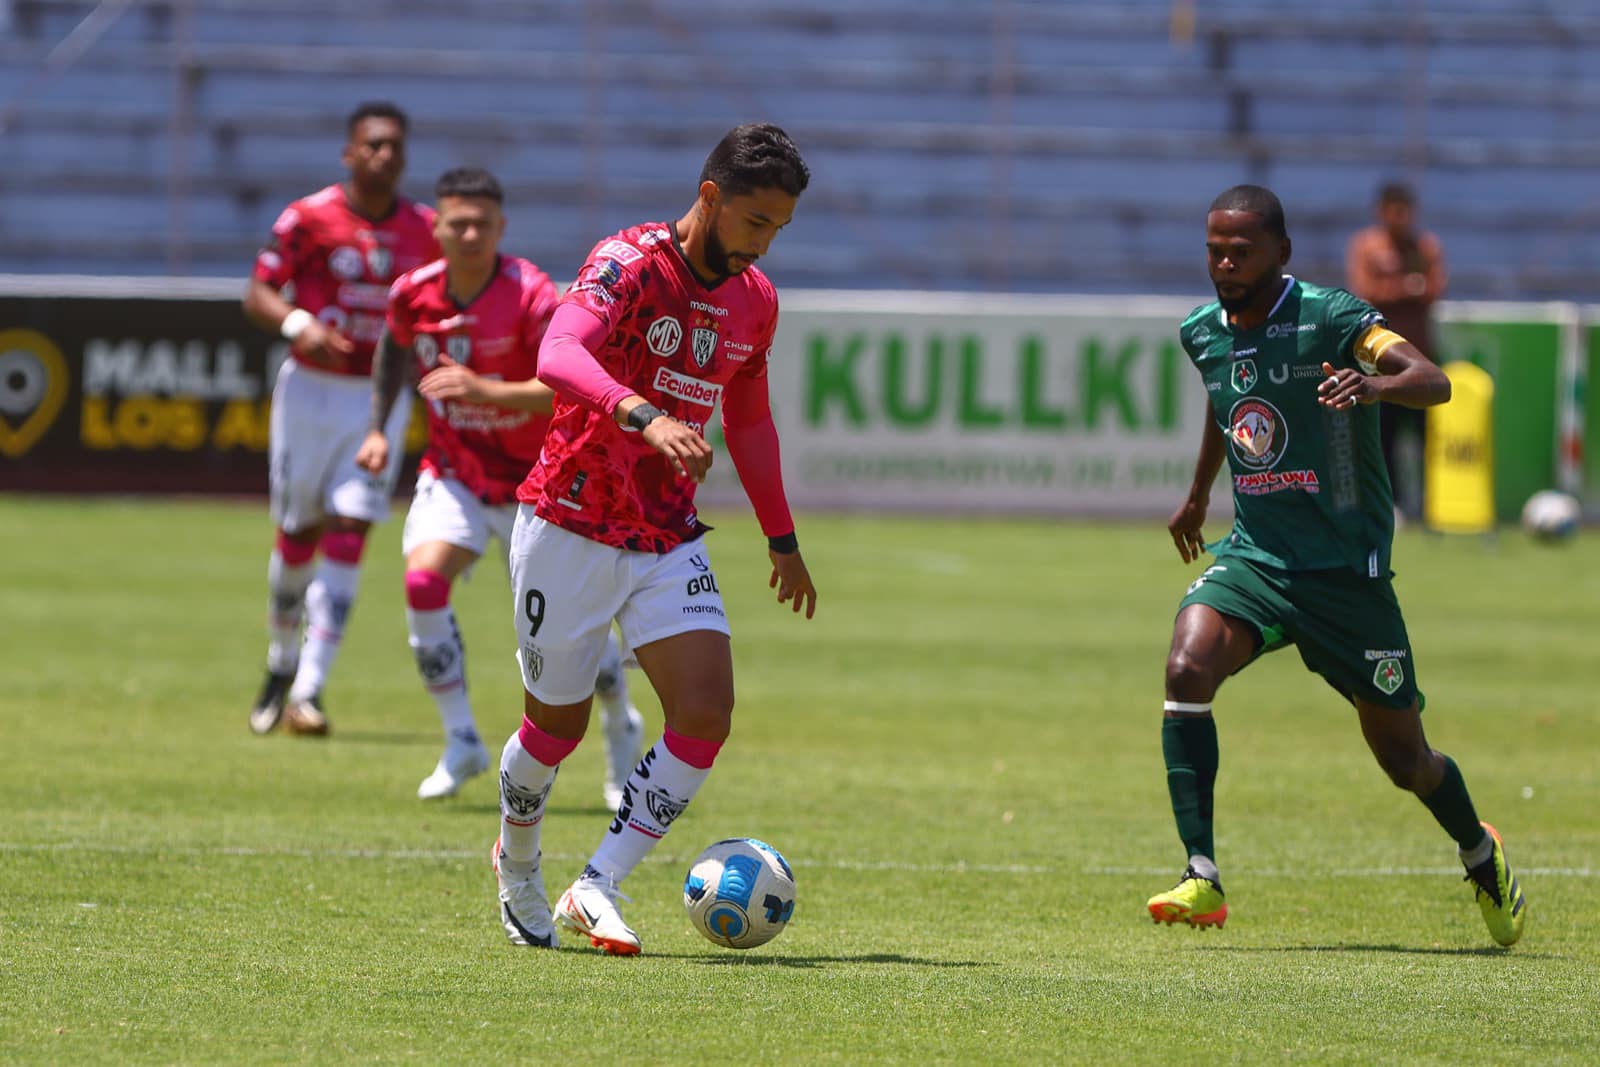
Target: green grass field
(960, 757)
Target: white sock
(441, 660)
(286, 604)
(1205, 867)
(524, 786)
(1484, 850)
(655, 794)
(328, 601)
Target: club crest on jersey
(705, 346)
(346, 262)
(459, 346)
(380, 261)
(664, 336)
(1244, 375)
(1257, 434)
(426, 348)
(1389, 675)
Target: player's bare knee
(1189, 677)
(1404, 764)
(707, 716)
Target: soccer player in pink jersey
(470, 324)
(322, 282)
(664, 320)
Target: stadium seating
(1030, 146)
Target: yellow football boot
(1499, 896)
(1194, 900)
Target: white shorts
(318, 422)
(567, 589)
(445, 510)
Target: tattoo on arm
(389, 373)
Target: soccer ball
(1551, 515)
(739, 893)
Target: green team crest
(1244, 375)
(1389, 676)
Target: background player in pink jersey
(473, 322)
(664, 321)
(322, 281)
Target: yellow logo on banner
(33, 386)
(1459, 494)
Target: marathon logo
(684, 387)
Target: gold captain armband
(1372, 344)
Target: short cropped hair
(1254, 200)
(1396, 193)
(376, 109)
(756, 156)
(468, 181)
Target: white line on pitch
(836, 864)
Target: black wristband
(644, 415)
(787, 545)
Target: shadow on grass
(823, 961)
(1411, 950)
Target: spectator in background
(1400, 271)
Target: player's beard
(716, 253)
(1234, 304)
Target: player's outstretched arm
(1395, 372)
(451, 381)
(1185, 524)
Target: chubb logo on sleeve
(686, 388)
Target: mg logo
(664, 336)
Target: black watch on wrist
(787, 545)
(644, 415)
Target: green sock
(1189, 744)
(1451, 804)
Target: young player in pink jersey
(322, 282)
(664, 321)
(470, 324)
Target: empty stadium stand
(1021, 146)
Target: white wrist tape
(294, 323)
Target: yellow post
(1458, 494)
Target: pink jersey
(675, 343)
(488, 449)
(339, 264)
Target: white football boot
(463, 758)
(624, 746)
(524, 909)
(589, 907)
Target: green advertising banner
(965, 402)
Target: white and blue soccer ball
(1551, 515)
(739, 893)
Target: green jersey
(1310, 489)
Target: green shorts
(1347, 627)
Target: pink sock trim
(545, 748)
(427, 590)
(344, 546)
(295, 553)
(696, 752)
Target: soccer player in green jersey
(1293, 373)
